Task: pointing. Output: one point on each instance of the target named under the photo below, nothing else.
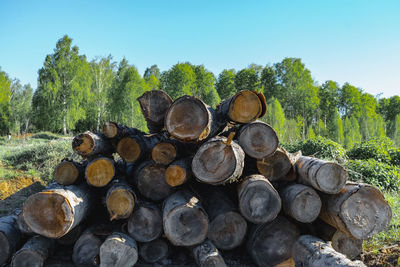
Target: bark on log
(184, 219)
(10, 237)
(301, 202)
(277, 167)
(120, 201)
(327, 177)
(118, 250)
(22, 226)
(154, 105)
(271, 243)
(72, 236)
(259, 202)
(89, 144)
(244, 107)
(314, 252)
(359, 210)
(218, 161)
(154, 251)
(113, 130)
(145, 223)
(68, 172)
(86, 250)
(100, 171)
(34, 253)
(179, 172)
(207, 255)
(346, 245)
(54, 212)
(258, 139)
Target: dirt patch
(387, 256)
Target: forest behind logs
(205, 187)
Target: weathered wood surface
(118, 250)
(10, 237)
(325, 176)
(154, 105)
(301, 202)
(86, 250)
(145, 223)
(120, 201)
(164, 152)
(100, 171)
(184, 219)
(179, 171)
(259, 202)
(117, 131)
(34, 253)
(314, 252)
(154, 251)
(347, 245)
(271, 243)
(258, 139)
(218, 161)
(54, 212)
(277, 167)
(89, 144)
(207, 255)
(22, 226)
(68, 172)
(359, 210)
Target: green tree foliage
(350, 101)
(336, 128)
(248, 79)
(225, 84)
(351, 132)
(389, 108)
(275, 117)
(291, 132)
(396, 134)
(21, 106)
(328, 94)
(371, 123)
(320, 129)
(5, 96)
(152, 77)
(205, 89)
(268, 82)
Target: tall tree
(152, 77)
(351, 131)
(225, 84)
(269, 82)
(5, 96)
(336, 128)
(396, 135)
(205, 89)
(248, 79)
(179, 80)
(350, 101)
(275, 116)
(21, 105)
(328, 94)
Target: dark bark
(207, 255)
(118, 250)
(10, 237)
(34, 253)
(154, 251)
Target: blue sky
(345, 41)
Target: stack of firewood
(207, 186)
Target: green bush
(374, 172)
(45, 135)
(395, 156)
(377, 149)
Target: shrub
(395, 156)
(45, 135)
(377, 149)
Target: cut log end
(154, 104)
(129, 149)
(306, 206)
(163, 153)
(66, 173)
(83, 144)
(175, 175)
(154, 251)
(346, 245)
(245, 107)
(152, 183)
(118, 250)
(100, 172)
(145, 224)
(331, 178)
(275, 166)
(110, 129)
(120, 203)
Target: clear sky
(342, 40)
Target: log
(34, 253)
(314, 252)
(145, 223)
(179, 171)
(72, 236)
(207, 255)
(327, 177)
(271, 243)
(89, 144)
(154, 251)
(22, 226)
(184, 219)
(164, 153)
(258, 139)
(218, 161)
(300, 202)
(100, 171)
(10, 237)
(120, 201)
(118, 250)
(154, 105)
(115, 130)
(86, 250)
(149, 178)
(277, 167)
(56, 211)
(359, 210)
(244, 107)
(259, 202)
(68, 172)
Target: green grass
(7, 174)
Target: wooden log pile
(206, 187)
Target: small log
(349, 246)
(259, 202)
(72, 236)
(145, 223)
(258, 139)
(271, 243)
(217, 162)
(89, 144)
(164, 153)
(56, 211)
(68, 172)
(206, 254)
(277, 167)
(300, 202)
(359, 210)
(154, 251)
(120, 201)
(100, 171)
(115, 130)
(244, 107)
(118, 250)
(184, 219)
(179, 171)
(154, 105)
(10, 237)
(149, 179)
(34, 253)
(314, 252)
(86, 250)
(327, 177)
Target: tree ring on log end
(163, 153)
(152, 184)
(83, 144)
(306, 206)
(275, 166)
(245, 107)
(66, 173)
(331, 178)
(100, 172)
(175, 175)
(5, 248)
(145, 224)
(110, 129)
(49, 214)
(129, 149)
(120, 203)
(258, 140)
(347, 245)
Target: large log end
(100, 172)
(245, 107)
(120, 203)
(129, 149)
(66, 173)
(163, 153)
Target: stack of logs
(207, 186)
